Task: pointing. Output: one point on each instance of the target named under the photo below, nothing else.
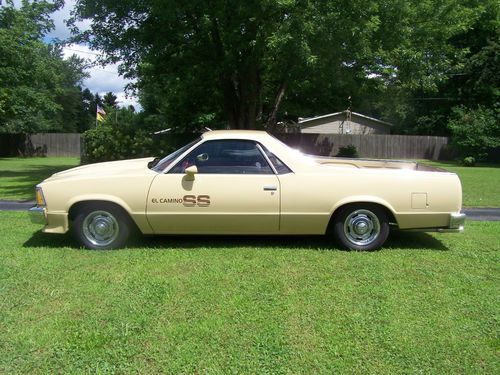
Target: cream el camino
(248, 183)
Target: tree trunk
(273, 115)
(241, 88)
(250, 96)
(242, 98)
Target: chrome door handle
(270, 188)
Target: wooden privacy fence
(368, 146)
(372, 146)
(56, 144)
(42, 144)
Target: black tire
(101, 226)
(361, 226)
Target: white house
(344, 122)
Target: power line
(78, 50)
(91, 53)
(107, 71)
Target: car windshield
(167, 160)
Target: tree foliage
(109, 99)
(473, 79)
(124, 134)
(475, 132)
(249, 63)
(39, 89)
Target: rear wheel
(361, 227)
(101, 227)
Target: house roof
(306, 120)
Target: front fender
(139, 217)
(98, 197)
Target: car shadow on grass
(53, 241)
(414, 241)
(397, 240)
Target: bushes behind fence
(105, 143)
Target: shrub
(348, 151)
(469, 161)
(125, 134)
(475, 132)
(105, 143)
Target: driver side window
(225, 157)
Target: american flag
(100, 113)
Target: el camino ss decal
(187, 200)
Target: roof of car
(293, 159)
(239, 134)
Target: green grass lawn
(480, 184)
(424, 304)
(18, 176)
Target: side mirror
(191, 171)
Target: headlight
(40, 199)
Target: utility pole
(116, 111)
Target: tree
(109, 100)
(246, 62)
(473, 79)
(87, 110)
(68, 93)
(39, 90)
(478, 82)
(475, 132)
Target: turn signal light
(40, 200)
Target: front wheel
(361, 227)
(101, 227)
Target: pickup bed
(375, 163)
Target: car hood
(110, 168)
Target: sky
(101, 79)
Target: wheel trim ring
(361, 227)
(100, 228)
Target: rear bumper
(456, 225)
(37, 215)
(457, 222)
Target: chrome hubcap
(100, 228)
(361, 227)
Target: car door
(234, 191)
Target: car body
(248, 182)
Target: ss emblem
(193, 200)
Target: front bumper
(53, 222)
(37, 215)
